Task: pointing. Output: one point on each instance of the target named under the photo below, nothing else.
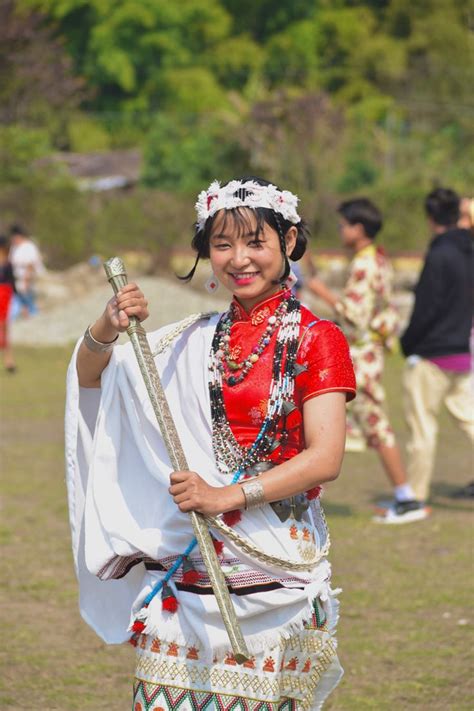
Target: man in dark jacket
(436, 341)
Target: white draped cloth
(121, 512)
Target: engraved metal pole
(117, 276)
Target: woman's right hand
(129, 301)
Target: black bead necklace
(230, 455)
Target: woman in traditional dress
(258, 397)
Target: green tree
(263, 18)
(37, 91)
(185, 153)
(37, 85)
(131, 51)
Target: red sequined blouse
(323, 351)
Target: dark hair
(263, 215)
(442, 205)
(17, 229)
(4, 242)
(362, 211)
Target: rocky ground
(70, 300)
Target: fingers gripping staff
(116, 274)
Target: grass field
(407, 619)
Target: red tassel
(170, 604)
(230, 518)
(191, 577)
(218, 546)
(133, 641)
(168, 599)
(190, 574)
(313, 493)
(138, 626)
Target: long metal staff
(117, 276)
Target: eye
(258, 243)
(220, 246)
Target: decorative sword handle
(117, 276)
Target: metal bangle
(97, 346)
(253, 494)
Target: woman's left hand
(191, 493)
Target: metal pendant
(300, 505)
(299, 368)
(259, 468)
(287, 407)
(282, 509)
(272, 444)
(295, 507)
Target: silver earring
(212, 284)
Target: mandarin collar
(271, 302)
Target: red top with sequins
(322, 350)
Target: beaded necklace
(224, 352)
(229, 454)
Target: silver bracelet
(97, 346)
(253, 494)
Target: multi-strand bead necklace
(230, 455)
(224, 351)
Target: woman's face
(245, 262)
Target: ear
(290, 239)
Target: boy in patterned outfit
(369, 321)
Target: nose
(240, 256)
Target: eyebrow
(221, 235)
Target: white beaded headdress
(240, 193)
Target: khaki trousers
(426, 387)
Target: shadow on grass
(380, 498)
(444, 496)
(332, 509)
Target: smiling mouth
(243, 275)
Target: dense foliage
(327, 97)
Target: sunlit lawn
(407, 618)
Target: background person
(436, 341)
(27, 265)
(7, 290)
(369, 321)
(466, 213)
(466, 220)
(258, 394)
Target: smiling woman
(246, 208)
(248, 262)
(258, 396)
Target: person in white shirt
(27, 264)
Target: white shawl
(118, 478)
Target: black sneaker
(404, 512)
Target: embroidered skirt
(296, 675)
